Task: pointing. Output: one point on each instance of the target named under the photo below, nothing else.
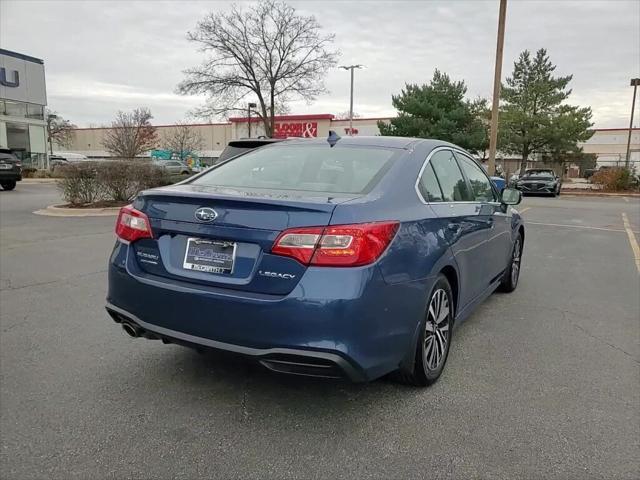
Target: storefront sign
(296, 129)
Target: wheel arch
(452, 277)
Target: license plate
(211, 256)
(5, 166)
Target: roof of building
(21, 56)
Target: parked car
(174, 167)
(10, 170)
(236, 147)
(351, 259)
(540, 181)
(56, 161)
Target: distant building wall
(216, 136)
(610, 146)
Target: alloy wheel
(437, 330)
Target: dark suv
(10, 170)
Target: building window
(15, 109)
(21, 109)
(35, 111)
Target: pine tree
(533, 117)
(439, 110)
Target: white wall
(31, 87)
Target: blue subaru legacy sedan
(348, 257)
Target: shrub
(117, 180)
(28, 172)
(79, 183)
(614, 179)
(122, 180)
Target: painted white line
(584, 227)
(632, 240)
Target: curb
(56, 211)
(34, 181)
(595, 193)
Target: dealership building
(23, 97)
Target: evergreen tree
(533, 117)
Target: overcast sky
(101, 57)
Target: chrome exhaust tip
(132, 330)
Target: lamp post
(51, 116)
(352, 68)
(249, 107)
(634, 83)
(493, 139)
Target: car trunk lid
(244, 224)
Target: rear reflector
(338, 245)
(132, 225)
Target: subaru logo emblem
(206, 214)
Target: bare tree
(60, 130)
(266, 54)
(131, 134)
(345, 115)
(182, 139)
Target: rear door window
(452, 183)
(480, 184)
(428, 185)
(307, 168)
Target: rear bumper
(8, 175)
(285, 360)
(336, 322)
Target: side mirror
(511, 196)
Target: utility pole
(249, 107)
(493, 140)
(352, 68)
(634, 83)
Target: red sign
(296, 129)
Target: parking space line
(584, 227)
(632, 240)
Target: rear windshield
(306, 168)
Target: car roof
(375, 141)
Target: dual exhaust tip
(135, 331)
(132, 330)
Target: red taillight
(132, 224)
(336, 246)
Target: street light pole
(352, 68)
(50, 117)
(634, 83)
(493, 140)
(249, 107)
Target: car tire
(434, 341)
(512, 273)
(9, 185)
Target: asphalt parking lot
(542, 383)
